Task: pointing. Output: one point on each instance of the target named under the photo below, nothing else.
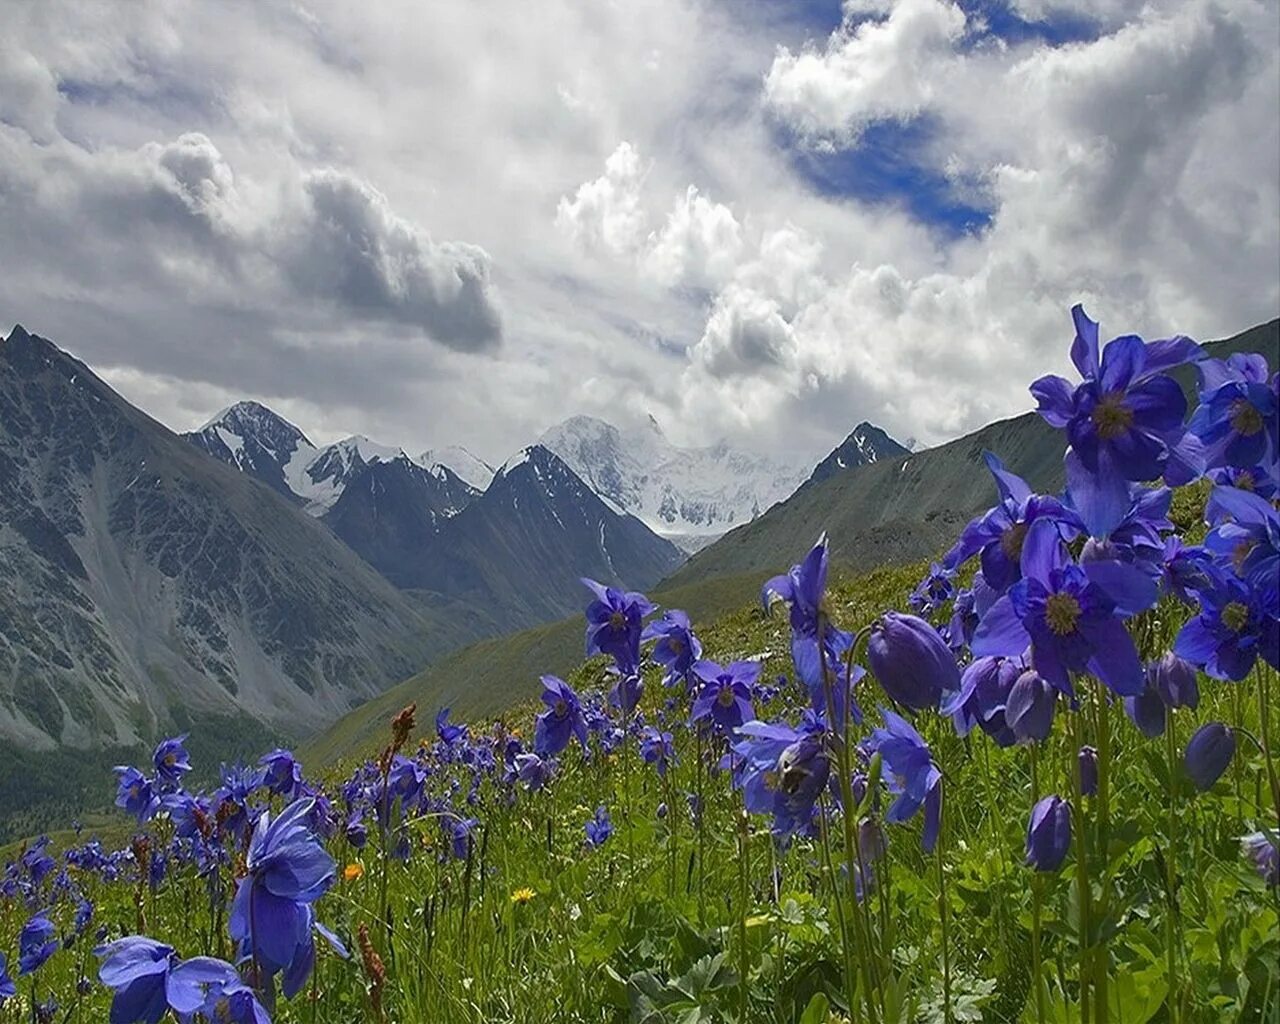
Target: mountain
(519, 549)
(468, 468)
(867, 444)
(390, 509)
(257, 441)
(690, 495)
(145, 585)
(912, 506)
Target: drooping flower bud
(912, 661)
(1208, 753)
(1088, 771)
(1175, 680)
(1147, 711)
(1049, 834)
(1029, 709)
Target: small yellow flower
(353, 871)
(523, 895)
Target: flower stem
(1037, 971)
(1085, 968)
(1172, 928)
(942, 914)
(1102, 967)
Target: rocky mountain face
(518, 551)
(865, 445)
(690, 495)
(140, 579)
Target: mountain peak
(866, 444)
(466, 466)
(248, 417)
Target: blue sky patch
(894, 163)
(1003, 22)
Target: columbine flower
(1124, 420)
(7, 987)
(677, 648)
(1246, 536)
(983, 696)
(171, 761)
(36, 943)
(136, 969)
(533, 771)
(614, 621)
(1233, 628)
(135, 794)
(599, 828)
(1236, 420)
(1147, 710)
(1208, 753)
(281, 773)
(657, 748)
(213, 989)
(1263, 848)
(724, 698)
(1070, 615)
(912, 775)
(448, 732)
(272, 918)
(783, 772)
(562, 720)
(911, 660)
(934, 590)
(1049, 834)
(997, 535)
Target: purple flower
(724, 696)
(533, 771)
(677, 648)
(134, 793)
(460, 830)
(561, 721)
(1247, 538)
(448, 732)
(171, 761)
(281, 773)
(1049, 834)
(1070, 615)
(1208, 753)
(998, 534)
(1088, 758)
(934, 590)
(136, 969)
(614, 622)
(911, 660)
(36, 943)
(657, 748)
(213, 989)
(599, 828)
(983, 696)
(1236, 420)
(1124, 421)
(1263, 848)
(7, 987)
(1234, 627)
(1030, 706)
(913, 776)
(1147, 710)
(782, 772)
(271, 917)
(1175, 680)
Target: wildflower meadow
(1034, 781)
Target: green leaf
(817, 1011)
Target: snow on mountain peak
(470, 469)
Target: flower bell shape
(1147, 710)
(1088, 758)
(1030, 706)
(136, 969)
(599, 828)
(1175, 680)
(911, 660)
(783, 772)
(1208, 753)
(1049, 834)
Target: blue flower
(135, 794)
(614, 623)
(1049, 834)
(460, 830)
(171, 761)
(1237, 420)
(677, 648)
(36, 943)
(912, 774)
(1030, 706)
(7, 987)
(1088, 758)
(1070, 615)
(1175, 680)
(983, 696)
(724, 697)
(136, 969)
(1246, 537)
(1263, 848)
(447, 732)
(1208, 753)
(783, 772)
(213, 989)
(935, 590)
(998, 534)
(657, 748)
(599, 828)
(271, 918)
(1234, 627)
(36, 861)
(534, 771)
(1124, 421)
(912, 662)
(561, 721)
(1147, 710)
(281, 773)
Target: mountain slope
(519, 549)
(691, 495)
(911, 507)
(866, 444)
(141, 579)
(257, 441)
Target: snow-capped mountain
(690, 495)
(867, 444)
(469, 468)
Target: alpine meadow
(823, 573)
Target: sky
(461, 222)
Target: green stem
(942, 914)
(1172, 927)
(1082, 868)
(1037, 969)
(1102, 967)
(743, 900)
(846, 942)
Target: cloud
(605, 215)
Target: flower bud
(1208, 753)
(1049, 834)
(1088, 771)
(1175, 680)
(912, 661)
(1147, 711)
(1029, 709)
